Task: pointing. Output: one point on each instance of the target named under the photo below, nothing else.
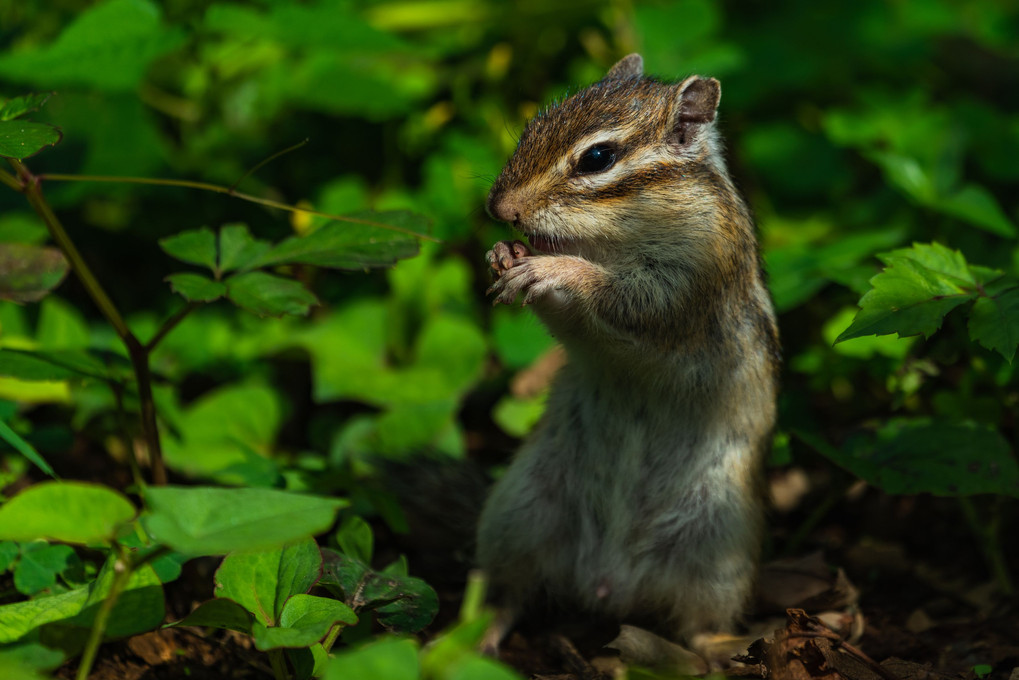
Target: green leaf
(20, 139)
(39, 566)
(352, 245)
(214, 521)
(916, 290)
(28, 273)
(305, 620)
(196, 246)
(19, 106)
(139, 608)
(219, 613)
(262, 581)
(89, 513)
(24, 448)
(355, 538)
(9, 552)
(385, 659)
(195, 287)
(108, 46)
(517, 416)
(994, 322)
(21, 618)
(976, 205)
(401, 603)
(59, 365)
(227, 434)
(945, 459)
(238, 249)
(267, 295)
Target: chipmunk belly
(637, 504)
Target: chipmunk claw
(504, 255)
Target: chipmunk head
(627, 152)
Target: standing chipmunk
(639, 496)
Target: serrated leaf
(352, 245)
(916, 290)
(994, 323)
(19, 106)
(268, 295)
(238, 248)
(28, 272)
(195, 246)
(20, 139)
(108, 46)
(195, 287)
(944, 459)
(214, 521)
(89, 513)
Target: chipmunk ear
(630, 66)
(697, 101)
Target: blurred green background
(853, 128)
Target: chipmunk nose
(503, 207)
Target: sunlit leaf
(262, 581)
(305, 620)
(89, 513)
(215, 521)
(916, 290)
(108, 46)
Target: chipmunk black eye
(598, 158)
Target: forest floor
(902, 576)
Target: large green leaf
(238, 249)
(268, 295)
(262, 581)
(916, 290)
(88, 513)
(20, 139)
(109, 46)
(352, 245)
(28, 272)
(215, 521)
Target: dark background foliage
(855, 129)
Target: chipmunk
(639, 495)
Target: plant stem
(169, 325)
(987, 537)
(330, 638)
(279, 664)
(29, 185)
(122, 574)
(219, 189)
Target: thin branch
(216, 188)
(271, 158)
(169, 325)
(122, 569)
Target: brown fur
(639, 495)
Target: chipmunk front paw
(504, 255)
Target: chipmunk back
(639, 494)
